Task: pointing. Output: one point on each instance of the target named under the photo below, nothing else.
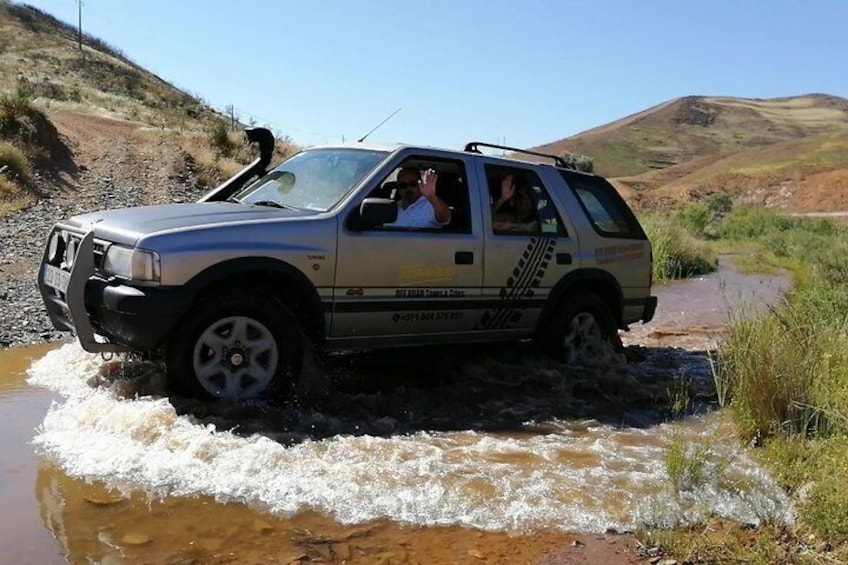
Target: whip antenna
(361, 139)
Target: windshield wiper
(273, 204)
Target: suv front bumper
(128, 317)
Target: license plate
(56, 278)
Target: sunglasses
(407, 184)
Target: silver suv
(231, 290)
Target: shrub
(694, 218)
(219, 138)
(719, 206)
(701, 219)
(8, 189)
(686, 463)
(755, 223)
(787, 370)
(15, 161)
(767, 364)
(578, 162)
(19, 119)
(15, 107)
(676, 253)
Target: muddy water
(432, 456)
(22, 407)
(693, 313)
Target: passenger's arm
(428, 190)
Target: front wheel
(583, 333)
(235, 347)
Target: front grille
(100, 247)
(99, 253)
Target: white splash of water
(579, 478)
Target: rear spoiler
(265, 139)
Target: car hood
(128, 225)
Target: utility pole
(79, 35)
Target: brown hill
(786, 152)
(44, 75)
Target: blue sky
(524, 73)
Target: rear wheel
(234, 347)
(583, 332)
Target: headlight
(132, 264)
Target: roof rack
(472, 147)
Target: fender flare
(309, 308)
(596, 281)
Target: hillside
(40, 54)
(63, 108)
(786, 152)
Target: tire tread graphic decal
(523, 281)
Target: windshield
(314, 179)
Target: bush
(719, 206)
(578, 162)
(219, 137)
(787, 370)
(8, 190)
(676, 253)
(755, 223)
(694, 218)
(14, 159)
(48, 89)
(19, 120)
(14, 109)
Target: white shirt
(419, 214)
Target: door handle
(463, 258)
(563, 258)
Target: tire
(236, 346)
(583, 332)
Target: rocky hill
(85, 99)
(790, 152)
(82, 130)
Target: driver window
(430, 194)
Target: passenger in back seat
(515, 208)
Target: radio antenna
(361, 139)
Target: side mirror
(376, 212)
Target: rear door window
(608, 212)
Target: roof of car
(391, 147)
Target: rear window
(609, 214)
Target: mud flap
(313, 384)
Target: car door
(403, 283)
(529, 247)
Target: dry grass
(100, 78)
(99, 81)
(14, 160)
